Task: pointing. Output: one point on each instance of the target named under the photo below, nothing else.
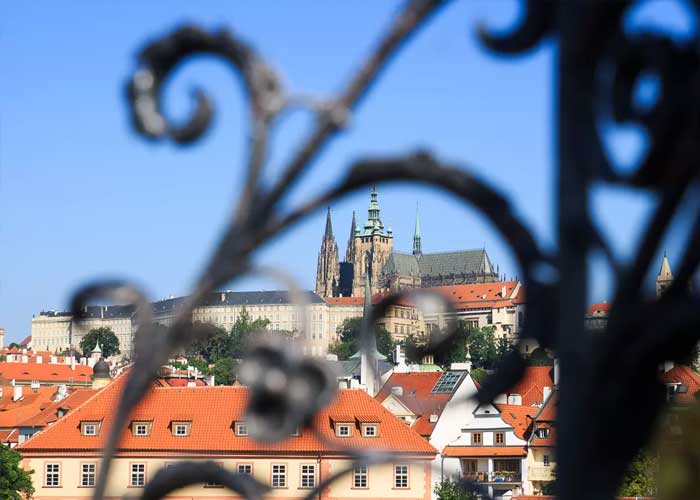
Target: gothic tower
(372, 246)
(327, 270)
(417, 250)
(664, 278)
(350, 251)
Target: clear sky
(82, 196)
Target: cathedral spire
(665, 276)
(350, 249)
(417, 250)
(328, 234)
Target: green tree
(15, 482)
(539, 357)
(452, 490)
(479, 374)
(348, 339)
(13, 345)
(109, 343)
(224, 371)
(483, 349)
(640, 478)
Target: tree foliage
(348, 339)
(109, 343)
(640, 478)
(453, 490)
(485, 350)
(15, 482)
(540, 357)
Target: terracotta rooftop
(44, 372)
(50, 413)
(531, 385)
(484, 451)
(212, 410)
(519, 417)
(31, 403)
(417, 396)
(480, 295)
(600, 308)
(681, 374)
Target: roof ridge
(454, 251)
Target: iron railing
(597, 66)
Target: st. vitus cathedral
(370, 252)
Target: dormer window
(343, 430)
(89, 428)
(542, 433)
(141, 429)
(241, 429)
(181, 429)
(369, 430)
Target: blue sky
(82, 196)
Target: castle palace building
(370, 252)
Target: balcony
(540, 473)
(494, 477)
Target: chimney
(191, 383)
(17, 393)
(433, 418)
(556, 372)
(546, 393)
(72, 363)
(503, 292)
(53, 360)
(397, 391)
(209, 380)
(667, 366)
(0, 392)
(515, 399)
(39, 359)
(35, 386)
(223, 297)
(25, 358)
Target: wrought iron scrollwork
(599, 64)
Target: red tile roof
(44, 372)
(418, 397)
(531, 385)
(50, 414)
(600, 308)
(26, 340)
(31, 403)
(484, 451)
(681, 374)
(345, 301)
(212, 411)
(480, 295)
(9, 436)
(518, 417)
(177, 382)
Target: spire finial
(417, 244)
(328, 234)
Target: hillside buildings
(208, 424)
(370, 252)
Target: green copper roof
(374, 222)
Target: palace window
(476, 439)
(245, 469)
(500, 437)
(400, 476)
(52, 475)
(87, 475)
(279, 476)
(359, 476)
(545, 460)
(343, 430)
(138, 475)
(308, 475)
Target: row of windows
(345, 430)
(278, 475)
(499, 438)
(179, 429)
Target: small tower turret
(664, 278)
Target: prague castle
(370, 252)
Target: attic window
(141, 429)
(343, 430)
(181, 429)
(542, 433)
(241, 429)
(89, 428)
(447, 383)
(370, 430)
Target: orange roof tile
(531, 385)
(518, 417)
(8, 436)
(50, 413)
(600, 308)
(480, 294)
(484, 451)
(417, 396)
(44, 372)
(345, 301)
(681, 374)
(212, 410)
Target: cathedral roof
(439, 264)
